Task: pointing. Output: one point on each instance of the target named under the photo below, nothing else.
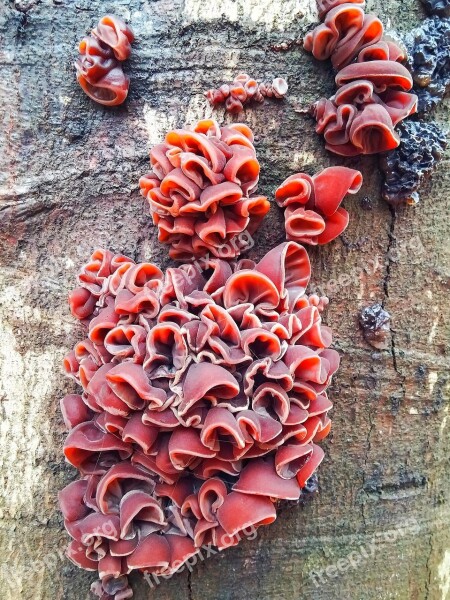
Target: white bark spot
(444, 575)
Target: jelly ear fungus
(99, 69)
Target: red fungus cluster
(373, 86)
(203, 397)
(313, 214)
(99, 71)
(201, 190)
(245, 89)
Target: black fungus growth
(375, 324)
(422, 147)
(429, 61)
(437, 7)
(312, 485)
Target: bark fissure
(368, 447)
(390, 246)
(428, 587)
(386, 282)
(189, 584)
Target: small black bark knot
(375, 324)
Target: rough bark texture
(69, 172)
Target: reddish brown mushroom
(99, 71)
(243, 90)
(313, 214)
(373, 86)
(203, 399)
(201, 190)
(345, 31)
(116, 34)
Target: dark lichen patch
(395, 485)
(312, 485)
(366, 203)
(437, 7)
(407, 166)
(429, 61)
(375, 324)
(395, 400)
(421, 373)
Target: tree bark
(379, 528)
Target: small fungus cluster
(313, 213)
(201, 190)
(99, 71)
(245, 89)
(373, 84)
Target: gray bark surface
(69, 174)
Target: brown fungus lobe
(373, 86)
(243, 90)
(98, 67)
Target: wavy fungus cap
(203, 399)
(373, 84)
(324, 6)
(201, 190)
(346, 30)
(116, 34)
(99, 72)
(244, 89)
(313, 214)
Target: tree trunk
(379, 528)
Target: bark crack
(428, 567)
(366, 460)
(391, 240)
(189, 583)
(386, 282)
